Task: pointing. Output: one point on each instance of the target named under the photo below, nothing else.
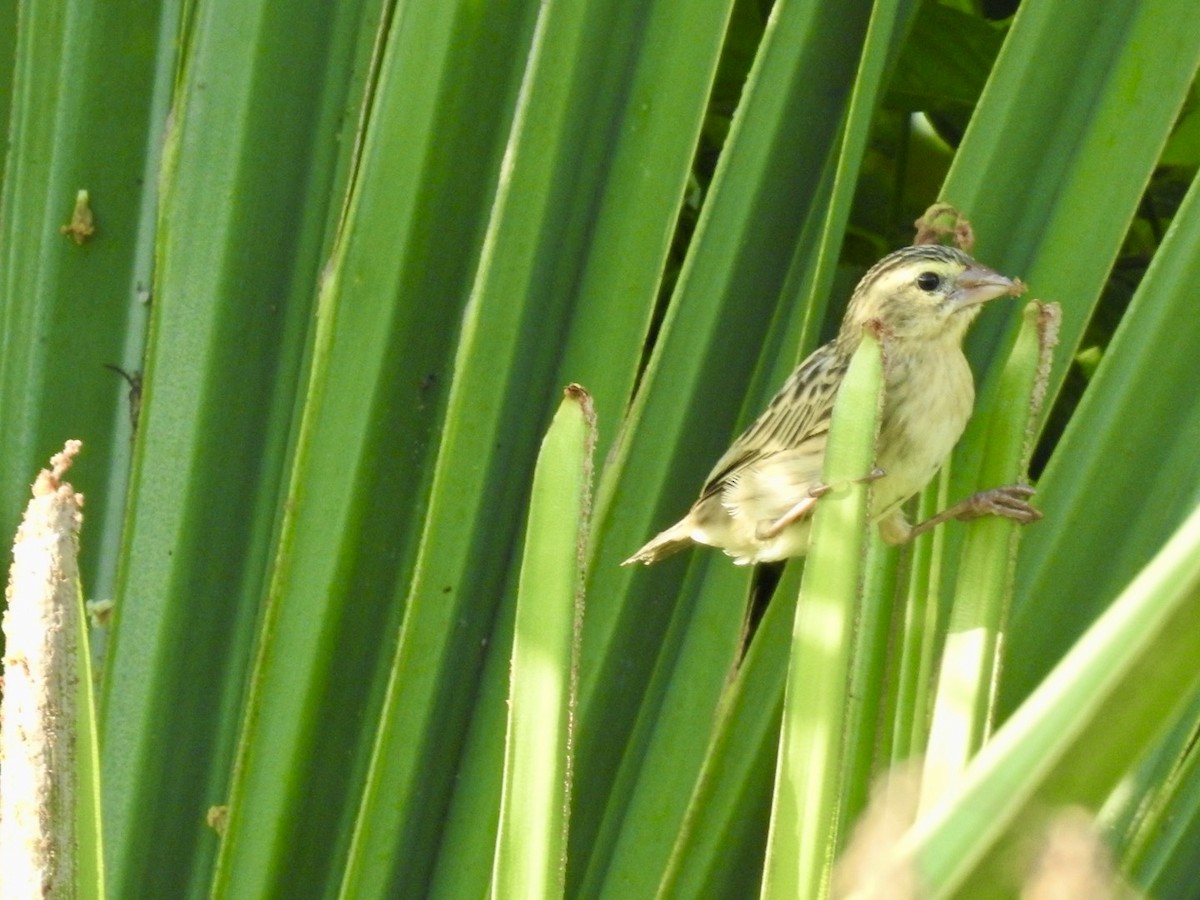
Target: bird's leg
(767, 529)
(1009, 502)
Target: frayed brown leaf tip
(940, 221)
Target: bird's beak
(978, 284)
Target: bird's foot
(1009, 502)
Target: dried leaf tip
(940, 221)
(579, 394)
(576, 391)
(83, 222)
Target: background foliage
(348, 261)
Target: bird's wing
(779, 457)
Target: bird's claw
(1010, 502)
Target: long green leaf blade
(244, 211)
(532, 842)
(966, 683)
(766, 197)
(806, 812)
(389, 305)
(1061, 747)
(1125, 467)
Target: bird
(756, 504)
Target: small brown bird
(757, 503)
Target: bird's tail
(670, 541)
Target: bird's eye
(929, 281)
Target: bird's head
(927, 292)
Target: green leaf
(966, 686)
(766, 203)
(1035, 173)
(240, 233)
(720, 844)
(1123, 475)
(66, 309)
(1070, 742)
(809, 780)
(532, 842)
(389, 306)
(946, 61)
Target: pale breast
(927, 403)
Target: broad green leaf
(243, 213)
(1151, 820)
(1071, 741)
(652, 75)
(1051, 178)
(531, 845)
(1124, 474)
(945, 63)
(809, 781)
(767, 197)
(522, 300)
(8, 49)
(963, 707)
(67, 309)
(720, 845)
(389, 305)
